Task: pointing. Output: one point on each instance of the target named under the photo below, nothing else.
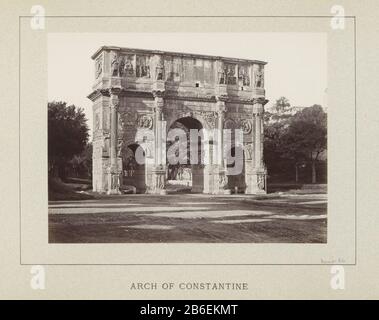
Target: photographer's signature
(333, 260)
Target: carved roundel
(246, 126)
(229, 124)
(145, 121)
(128, 118)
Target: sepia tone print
(185, 148)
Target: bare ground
(191, 218)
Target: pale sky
(296, 68)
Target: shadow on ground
(191, 218)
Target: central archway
(188, 172)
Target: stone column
(113, 170)
(158, 129)
(158, 172)
(256, 177)
(258, 113)
(222, 174)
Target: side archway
(133, 168)
(236, 182)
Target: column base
(256, 182)
(225, 191)
(223, 183)
(256, 192)
(113, 192)
(161, 192)
(113, 182)
(158, 182)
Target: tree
(273, 149)
(293, 139)
(67, 135)
(306, 136)
(276, 122)
(281, 106)
(81, 164)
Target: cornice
(97, 93)
(167, 95)
(204, 98)
(177, 54)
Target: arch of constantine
(136, 91)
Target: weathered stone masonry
(136, 89)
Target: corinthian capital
(158, 109)
(258, 105)
(222, 98)
(114, 96)
(260, 100)
(221, 107)
(258, 109)
(221, 111)
(115, 101)
(115, 91)
(158, 93)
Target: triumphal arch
(139, 95)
